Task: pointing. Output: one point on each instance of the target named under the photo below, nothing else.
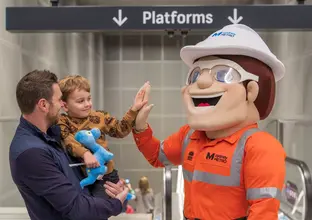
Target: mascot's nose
(205, 79)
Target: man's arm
(160, 153)
(264, 175)
(39, 172)
(118, 128)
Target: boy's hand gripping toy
(88, 139)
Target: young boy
(80, 116)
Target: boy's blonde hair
(71, 83)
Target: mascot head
(231, 80)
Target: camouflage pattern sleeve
(118, 128)
(68, 138)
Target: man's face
(55, 105)
(215, 97)
(78, 104)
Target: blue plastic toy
(130, 196)
(88, 139)
(131, 193)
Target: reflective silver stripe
(262, 193)
(187, 175)
(186, 141)
(162, 156)
(236, 165)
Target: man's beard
(52, 119)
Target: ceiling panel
(168, 2)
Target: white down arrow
(235, 19)
(120, 21)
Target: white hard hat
(234, 39)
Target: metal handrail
(304, 169)
(167, 204)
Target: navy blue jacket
(49, 187)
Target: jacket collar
(53, 133)
(230, 139)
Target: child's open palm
(140, 99)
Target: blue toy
(88, 139)
(130, 196)
(131, 193)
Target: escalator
(296, 198)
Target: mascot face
(215, 96)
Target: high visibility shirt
(226, 178)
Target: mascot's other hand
(141, 119)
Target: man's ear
(252, 91)
(43, 105)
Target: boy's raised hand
(141, 119)
(141, 97)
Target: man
(40, 166)
(231, 169)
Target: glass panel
(9, 195)
(296, 138)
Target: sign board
(291, 192)
(100, 18)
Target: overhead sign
(75, 19)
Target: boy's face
(78, 104)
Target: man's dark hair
(34, 86)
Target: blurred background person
(144, 197)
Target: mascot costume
(231, 169)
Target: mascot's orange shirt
(228, 178)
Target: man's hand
(141, 119)
(140, 99)
(118, 191)
(90, 160)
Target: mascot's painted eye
(89, 132)
(223, 76)
(194, 75)
(226, 74)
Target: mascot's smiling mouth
(208, 100)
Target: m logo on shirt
(216, 157)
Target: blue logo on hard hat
(221, 33)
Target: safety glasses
(222, 70)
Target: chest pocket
(218, 157)
(227, 177)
